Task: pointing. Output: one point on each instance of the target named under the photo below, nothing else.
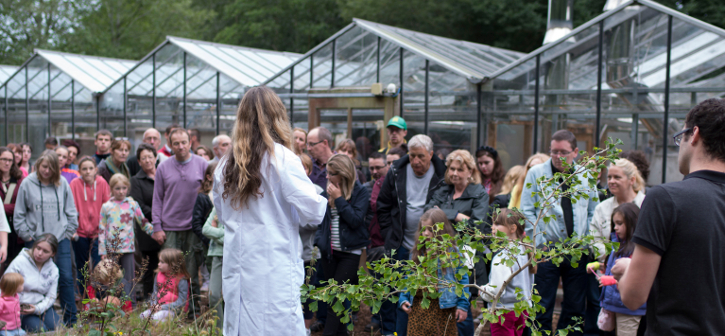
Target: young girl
(90, 192)
(624, 221)
(40, 287)
(171, 286)
(441, 317)
(508, 222)
(10, 285)
(67, 173)
(116, 227)
(107, 275)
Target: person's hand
(375, 253)
(159, 237)
(103, 257)
(29, 310)
(405, 306)
(620, 267)
(214, 223)
(75, 237)
(461, 315)
(3, 253)
(461, 217)
(333, 191)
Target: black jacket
(353, 229)
(392, 199)
(142, 190)
(499, 202)
(202, 208)
(472, 203)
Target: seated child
(10, 285)
(171, 286)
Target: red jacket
(10, 311)
(10, 206)
(89, 200)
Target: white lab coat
(262, 271)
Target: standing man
(166, 151)
(571, 219)
(408, 187)
(103, 145)
(378, 169)
(195, 136)
(220, 144)
(677, 265)
(319, 146)
(397, 130)
(177, 183)
(152, 137)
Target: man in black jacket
(408, 187)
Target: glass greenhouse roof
(6, 71)
(93, 72)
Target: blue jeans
(16, 332)
(66, 292)
(401, 319)
(82, 248)
(576, 285)
(465, 328)
(386, 316)
(34, 323)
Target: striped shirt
(335, 233)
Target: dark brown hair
(709, 117)
(507, 217)
(630, 212)
(104, 132)
(207, 150)
(261, 122)
(206, 185)
(565, 135)
(15, 172)
(639, 159)
(497, 174)
(176, 261)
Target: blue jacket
(448, 298)
(354, 232)
(611, 299)
(555, 231)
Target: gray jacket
(43, 209)
(41, 286)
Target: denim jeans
(401, 317)
(83, 247)
(16, 332)
(45, 322)
(66, 291)
(576, 285)
(386, 317)
(465, 328)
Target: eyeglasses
(559, 153)
(6, 160)
(313, 144)
(679, 135)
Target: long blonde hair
(341, 164)
(520, 184)
(631, 171)
(512, 177)
(261, 122)
(465, 158)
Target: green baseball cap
(398, 122)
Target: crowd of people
(65, 217)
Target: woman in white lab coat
(262, 195)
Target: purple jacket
(611, 299)
(175, 190)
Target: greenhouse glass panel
(201, 95)
(232, 93)
(112, 117)
(356, 58)
(321, 67)
(85, 119)
(139, 99)
(38, 107)
(61, 116)
(169, 86)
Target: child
(116, 227)
(10, 285)
(106, 276)
(509, 222)
(171, 286)
(90, 192)
(202, 208)
(624, 221)
(67, 173)
(441, 317)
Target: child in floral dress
(115, 230)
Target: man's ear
(695, 137)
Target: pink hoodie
(10, 311)
(89, 199)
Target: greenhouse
(187, 82)
(433, 82)
(56, 94)
(632, 73)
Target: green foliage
(447, 253)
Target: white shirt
(262, 271)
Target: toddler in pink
(10, 285)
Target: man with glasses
(397, 130)
(319, 146)
(571, 219)
(677, 265)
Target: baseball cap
(398, 122)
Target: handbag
(605, 322)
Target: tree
(422, 274)
(29, 24)
(130, 29)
